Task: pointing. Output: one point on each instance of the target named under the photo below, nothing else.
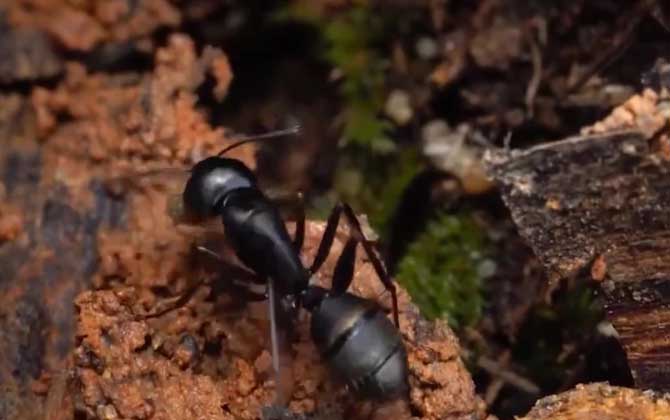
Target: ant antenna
(507, 141)
(294, 129)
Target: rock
(426, 48)
(600, 401)
(398, 107)
(27, 55)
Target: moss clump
(372, 170)
(442, 269)
(350, 41)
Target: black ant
(353, 335)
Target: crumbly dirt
(600, 401)
(210, 357)
(130, 119)
(81, 26)
(10, 222)
(648, 112)
(27, 55)
(70, 153)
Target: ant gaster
(352, 334)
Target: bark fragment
(603, 198)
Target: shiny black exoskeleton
(360, 344)
(354, 336)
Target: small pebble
(107, 412)
(607, 329)
(426, 48)
(434, 130)
(487, 268)
(398, 107)
(187, 352)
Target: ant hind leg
(358, 236)
(344, 269)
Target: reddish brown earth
(84, 25)
(600, 401)
(210, 358)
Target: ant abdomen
(361, 346)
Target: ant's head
(211, 180)
(214, 177)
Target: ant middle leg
(357, 235)
(294, 204)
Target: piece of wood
(602, 199)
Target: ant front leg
(175, 303)
(232, 270)
(344, 279)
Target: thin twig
(616, 49)
(495, 369)
(534, 83)
(497, 383)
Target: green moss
(441, 270)
(349, 44)
(372, 170)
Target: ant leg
(299, 237)
(241, 277)
(327, 239)
(294, 202)
(209, 252)
(357, 233)
(177, 303)
(233, 270)
(281, 318)
(343, 274)
(383, 275)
